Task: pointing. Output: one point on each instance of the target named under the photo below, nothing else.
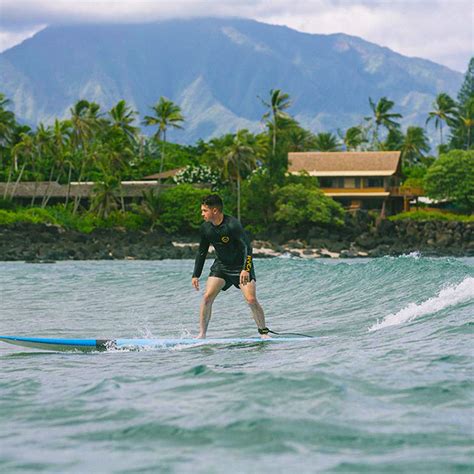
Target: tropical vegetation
(451, 178)
(108, 147)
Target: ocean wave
(449, 296)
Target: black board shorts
(230, 275)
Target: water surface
(387, 386)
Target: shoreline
(43, 243)
(264, 249)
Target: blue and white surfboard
(87, 345)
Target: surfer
(233, 264)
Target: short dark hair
(213, 200)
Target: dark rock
(293, 253)
(26, 241)
(385, 227)
(443, 239)
(295, 244)
(348, 254)
(337, 246)
(367, 241)
(324, 255)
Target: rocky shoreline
(50, 243)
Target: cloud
(440, 30)
(9, 38)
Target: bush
(413, 183)
(258, 201)
(7, 204)
(127, 220)
(65, 218)
(431, 216)
(180, 208)
(34, 215)
(7, 217)
(451, 177)
(85, 223)
(297, 205)
(192, 174)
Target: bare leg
(250, 294)
(213, 286)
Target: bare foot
(265, 336)
(201, 336)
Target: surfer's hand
(244, 277)
(195, 283)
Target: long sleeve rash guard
(233, 249)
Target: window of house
(349, 183)
(375, 182)
(325, 182)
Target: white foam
(416, 255)
(448, 296)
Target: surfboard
(88, 345)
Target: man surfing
(233, 264)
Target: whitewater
(387, 386)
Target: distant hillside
(215, 69)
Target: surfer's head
(211, 207)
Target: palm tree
(104, 196)
(122, 117)
(7, 122)
(354, 138)
(443, 110)
(239, 156)
(278, 103)
(394, 141)
(116, 158)
(150, 206)
(60, 135)
(465, 118)
(414, 145)
(326, 142)
(25, 149)
(166, 114)
(16, 137)
(382, 116)
(85, 120)
(62, 130)
(44, 156)
(299, 139)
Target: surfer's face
(208, 213)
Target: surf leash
(266, 331)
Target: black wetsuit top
(233, 250)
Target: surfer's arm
(201, 256)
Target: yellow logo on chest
(225, 239)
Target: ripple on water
(398, 399)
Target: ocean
(386, 385)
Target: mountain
(215, 69)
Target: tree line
(108, 147)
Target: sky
(439, 30)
